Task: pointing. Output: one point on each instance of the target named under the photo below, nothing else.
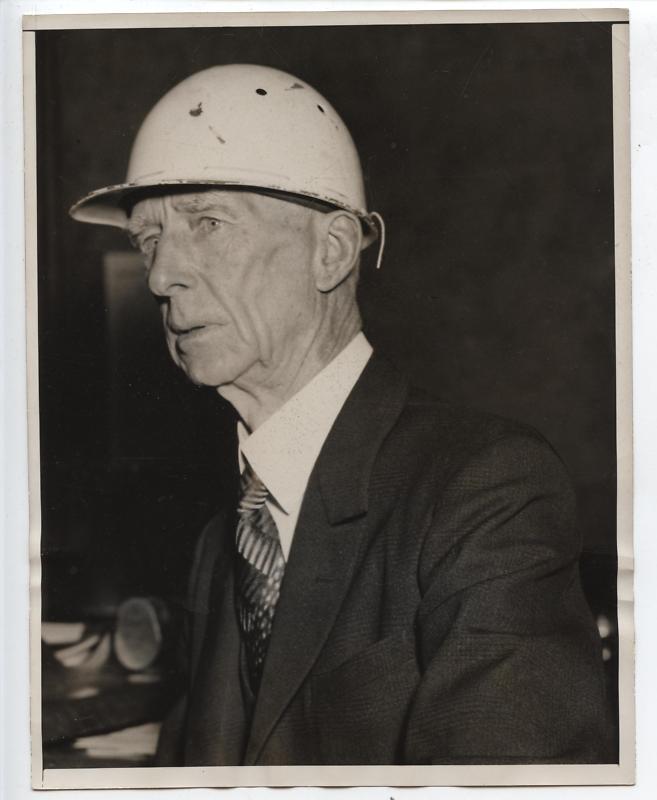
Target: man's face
(231, 270)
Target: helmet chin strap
(378, 219)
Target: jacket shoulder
(453, 435)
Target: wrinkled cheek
(243, 316)
(257, 329)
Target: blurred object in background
(141, 627)
(59, 633)
(90, 653)
(135, 744)
(106, 686)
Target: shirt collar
(283, 450)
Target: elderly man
(397, 580)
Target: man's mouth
(180, 327)
(187, 335)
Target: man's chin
(200, 377)
(208, 375)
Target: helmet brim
(111, 205)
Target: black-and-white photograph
(328, 394)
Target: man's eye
(149, 245)
(209, 224)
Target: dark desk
(82, 702)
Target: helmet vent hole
(321, 109)
(261, 92)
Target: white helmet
(240, 125)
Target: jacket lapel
(327, 543)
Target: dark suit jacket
(431, 609)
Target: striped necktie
(259, 574)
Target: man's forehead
(189, 202)
(201, 200)
(228, 200)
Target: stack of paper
(130, 744)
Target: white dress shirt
(283, 450)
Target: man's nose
(170, 269)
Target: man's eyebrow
(202, 202)
(136, 225)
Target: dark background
(488, 151)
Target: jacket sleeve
(171, 741)
(509, 653)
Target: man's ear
(340, 246)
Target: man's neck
(256, 398)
